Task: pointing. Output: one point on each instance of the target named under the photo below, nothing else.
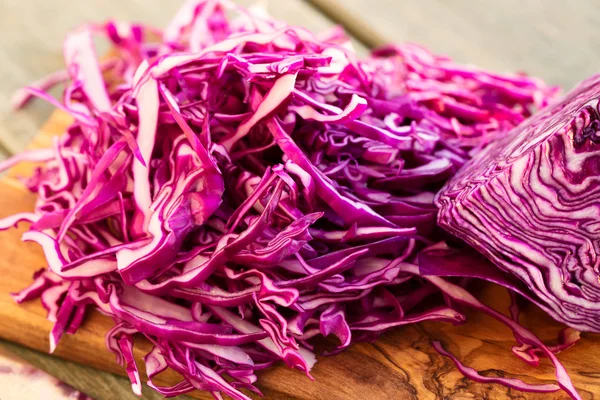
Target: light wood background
(556, 40)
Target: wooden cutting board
(400, 365)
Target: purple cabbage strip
(509, 382)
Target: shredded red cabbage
(234, 188)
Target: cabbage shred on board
(232, 189)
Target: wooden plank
(556, 41)
(401, 365)
(353, 22)
(98, 383)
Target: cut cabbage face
(531, 203)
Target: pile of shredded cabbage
(233, 189)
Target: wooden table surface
(557, 41)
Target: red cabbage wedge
(233, 189)
(529, 202)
